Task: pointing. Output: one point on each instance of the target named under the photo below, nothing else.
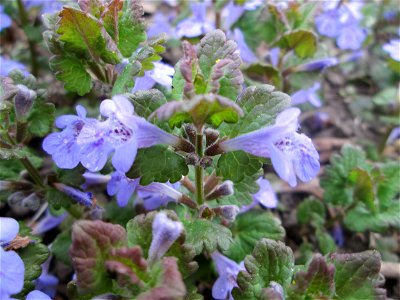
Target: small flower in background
(122, 186)
(341, 21)
(46, 7)
(266, 196)
(161, 74)
(274, 56)
(394, 135)
(227, 270)
(48, 222)
(37, 295)
(337, 234)
(292, 154)
(165, 233)
(157, 194)
(5, 20)
(7, 65)
(393, 49)
(85, 199)
(317, 64)
(245, 52)
(232, 12)
(161, 24)
(308, 95)
(197, 24)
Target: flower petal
(125, 155)
(9, 229)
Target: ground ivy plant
(185, 169)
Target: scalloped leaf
(249, 228)
(271, 261)
(158, 163)
(303, 42)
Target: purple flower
(338, 236)
(63, 146)
(122, 186)
(394, 135)
(161, 24)
(12, 267)
(159, 194)
(197, 24)
(265, 196)
(93, 179)
(393, 48)
(47, 7)
(317, 64)
(48, 222)
(351, 37)
(342, 22)
(227, 270)
(292, 154)
(7, 65)
(9, 229)
(308, 95)
(165, 233)
(91, 142)
(5, 20)
(85, 199)
(37, 295)
(274, 55)
(245, 52)
(161, 74)
(231, 13)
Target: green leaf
(261, 105)
(158, 163)
(271, 261)
(33, 256)
(387, 96)
(82, 34)
(146, 102)
(264, 73)
(219, 64)
(249, 228)
(92, 242)
(337, 184)
(356, 274)
(207, 236)
(126, 80)
(364, 188)
(7, 154)
(360, 218)
(303, 42)
(72, 72)
(325, 241)
(243, 170)
(139, 232)
(41, 118)
(60, 247)
(311, 210)
(315, 283)
(169, 284)
(131, 28)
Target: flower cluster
(342, 21)
(90, 142)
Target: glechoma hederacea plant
(188, 166)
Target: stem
(32, 172)
(198, 169)
(31, 44)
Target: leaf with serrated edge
(158, 163)
(356, 274)
(315, 283)
(261, 105)
(145, 102)
(249, 228)
(270, 261)
(303, 42)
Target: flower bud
(225, 189)
(165, 233)
(190, 133)
(23, 102)
(192, 159)
(82, 198)
(212, 136)
(228, 212)
(206, 162)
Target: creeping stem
(198, 169)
